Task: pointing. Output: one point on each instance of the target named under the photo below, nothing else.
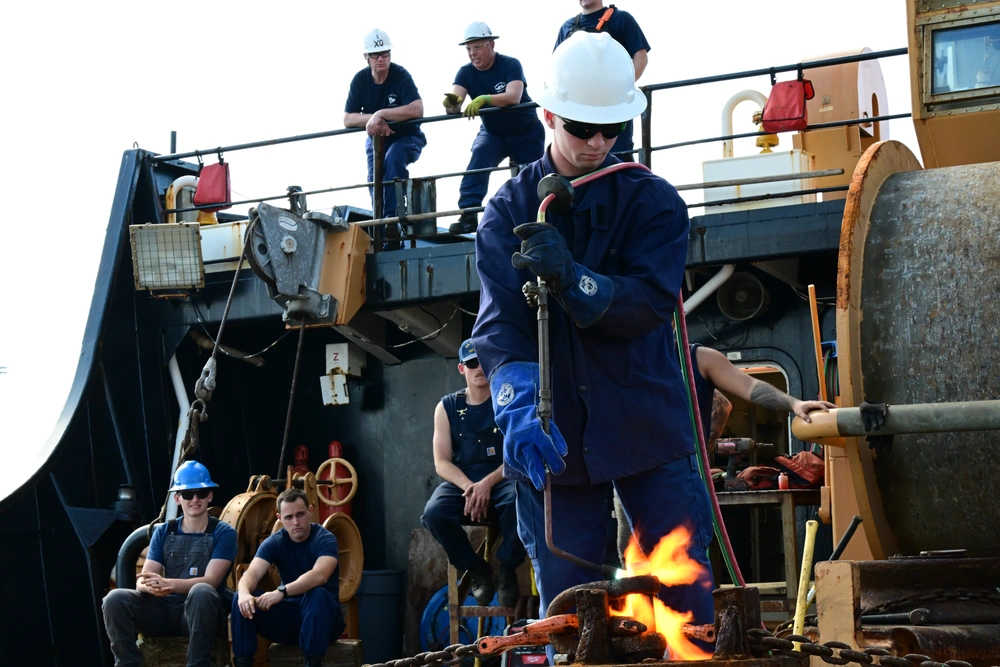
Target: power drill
(737, 449)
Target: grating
(167, 256)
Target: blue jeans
(310, 621)
(489, 150)
(399, 154)
(443, 519)
(656, 502)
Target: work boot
(312, 661)
(481, 576)
(507, 589)
(467, 223)
(243, 662)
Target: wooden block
(172, 652)
(342, 653)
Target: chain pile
(839, 653)
(450, 655)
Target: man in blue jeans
(380, 93)
(613, 261)
(491, 79)
(305, 607)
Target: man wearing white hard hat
(613, 260)
(491, 79)
(625, 30)
(382, 93)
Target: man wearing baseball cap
(468, 454)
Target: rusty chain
(839, 653)
(450, 655)
(985, 595)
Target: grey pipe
(902, 419)
(128, 554)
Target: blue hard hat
(467, 351)
(192, 475)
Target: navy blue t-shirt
(621, 26)
(493, 82)
(296, 558)
(397, 90)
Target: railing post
(378, 173)
(646, 155)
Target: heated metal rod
(916, 418)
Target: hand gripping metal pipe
(902, 419)
(552, 188)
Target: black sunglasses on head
(588, 130)
(189, 494)
(472, 363)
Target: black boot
(243, 662)
(481, 576)
(312, 661)
(467, 223)
(507, 589)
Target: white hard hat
(376, 41)
(475, 31)
(591, 80)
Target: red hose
(703, 448)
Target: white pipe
(182, 422)
(174, 190)
(727, 115)
(708, 288)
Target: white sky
(84, 81)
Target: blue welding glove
(583, 294)
(526, 447)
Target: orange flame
(672, 565)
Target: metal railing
(643, 154)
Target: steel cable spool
(918, 321)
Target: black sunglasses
(188, 494)
(472, 363)
(586, 131)
(380, 54)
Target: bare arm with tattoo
(721, 408)
(716, 368)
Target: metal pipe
(776, 195)
(759, 179)
(727, 114)
(128, 553)
(818, 126)
(902, 419)
(817, 342)
(706, 290)
(183, 405)
(531, 105)
(206, 343)
(807, 560)
(421, 216)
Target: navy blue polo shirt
(621, 26)
(397, 90)
(493, 81)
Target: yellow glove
(451, 100)
(473, 107)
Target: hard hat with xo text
(591, 80)
(376, 41)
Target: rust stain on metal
(430, 279)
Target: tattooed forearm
(767, 396)
(721, 407)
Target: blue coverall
(618, 396)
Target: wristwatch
(281, 589)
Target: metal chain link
(450, 655)
(839, 653)
(985, 595)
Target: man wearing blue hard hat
(179, 591)
(468, 455)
